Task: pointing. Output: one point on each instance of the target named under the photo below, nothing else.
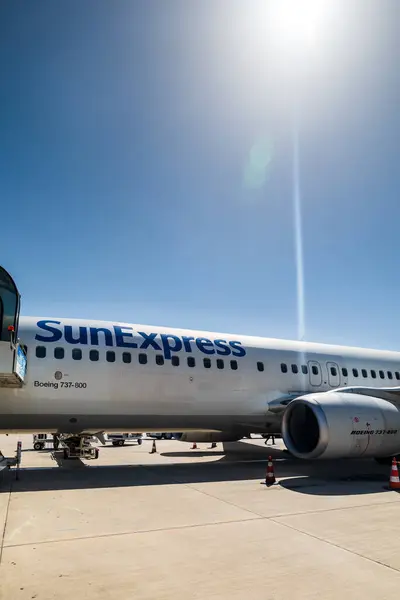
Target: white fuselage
(110, 376)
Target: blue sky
(146, 165)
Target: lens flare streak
(298, 236)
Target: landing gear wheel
(115, 443)
(139, 441)
(121, 442)
(65, 453)
(96, 453)
(37, 446)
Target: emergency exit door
(333, 374)
(315, 373)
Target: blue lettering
(224, 348)
(119, 337)
(56, 333)
(124, 337)
(83, 337)
(149, 340)
(94, 336)
(240, 351)
(186, 342)
(201, 343)
(167, 346)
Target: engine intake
(341, 425)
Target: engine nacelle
(341, 425)
(207, 436)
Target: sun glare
(297, 21)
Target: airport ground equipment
(79, 447)
(14, 461)
(158, 435)
(119, 439)
(40, 440)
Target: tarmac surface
(196, 524)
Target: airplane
(77, 379)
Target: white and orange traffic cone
(270, 476)
(154, 448)
(194, 447)
(394, 481)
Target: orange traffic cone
(270, 477)
(194, 447)
(154, 448)
(394, 481)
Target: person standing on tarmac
(268, 437)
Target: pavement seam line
(324, 510)
(122, 533)
(5, 523)
(251, 512)
(315, 537)
(192, 486)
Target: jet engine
(207, 436)
(341, 425)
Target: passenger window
(59, 353)
(344, 372)
(333, 371)
(373, 374)
(260, 366)
(295, 369)
(220, 363)
(381, 374)
(126, 357)
(191, 361)
(304, 369)
(77, 354)
(364, 372)
(355, 372)
(159, 359)
(40, 351)
(390, 375)
(110, 356)
(283, 368)
(142, 359)
(314, 370)
(175, 361)
(207, 363)
(397, 375)
(94, 355)
(234, 365)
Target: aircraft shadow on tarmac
(323, 478)
(370, 483)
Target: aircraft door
(9, 307)
(12, 353)
(333, 374)
(315, 373)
